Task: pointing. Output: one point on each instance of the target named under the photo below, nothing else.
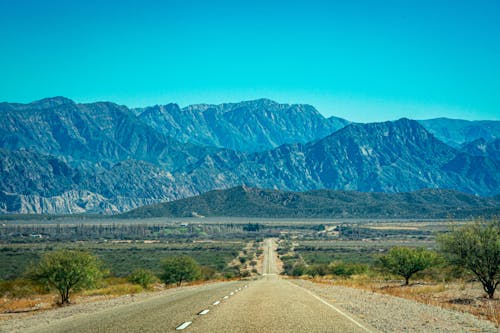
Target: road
(269, 304)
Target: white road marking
(216, 303)
(231, 293)
(225, 297)
(333, 307)
(246, 286)
(204, 312)
(183, 325)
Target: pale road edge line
(333, 307)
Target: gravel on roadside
(392, 314)
(13, 323)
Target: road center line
(333, 307)
(216, 303)
(204, 312)
(183, 325)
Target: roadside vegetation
(450, 272)
(453, 265)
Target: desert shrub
(142, 277)
(298, 269)
(343, 269)
(208, 273)
(317, 269)
(21, 287)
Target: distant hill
(244, 201)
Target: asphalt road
(269, 304)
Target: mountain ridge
(55, 149)
(243, 201)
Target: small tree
(180, 268)
(142, 277)
(406, 261)
(67, 271)
(476, 247)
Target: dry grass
(115, 290)
(460, 296)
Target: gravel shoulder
(20, 322)
(393, 314)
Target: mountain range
(58, 156)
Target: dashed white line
(216, 303)
(225, 297)
(231, 293)
(183, 325)
(204, 312)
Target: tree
(406, 261)
(67, 271)
(180, 268)
(475, 247)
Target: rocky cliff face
(247, 126)
(57, 156)
(384, 157)
(98, 132)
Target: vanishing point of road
(268, 304)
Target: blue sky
(360, 60)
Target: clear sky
(360, 60)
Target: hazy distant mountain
(61, 157)
(246, 126)
(481, 147)
(456, 132)
(254, 202)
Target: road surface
(269, 304)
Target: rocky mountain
(398, 156)
(456, 132)
(481, 147)
(246, 126)
(254, 202)
(57, 156)
(99, 132)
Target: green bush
(298, 269)
(317, 269)
(142, 277)
(343, 269)
(20, 288)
